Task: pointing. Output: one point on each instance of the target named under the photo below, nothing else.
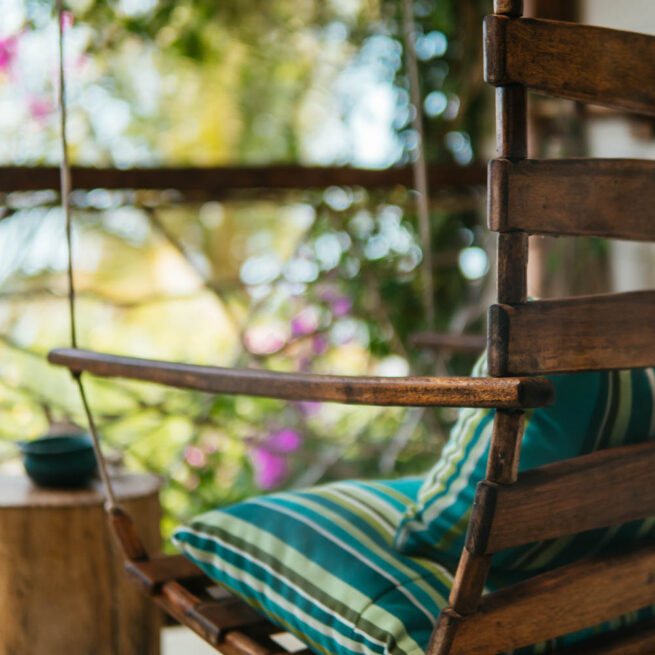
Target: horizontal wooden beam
(570, 598)
(586, 333)
(611, 198)
(605, 488)
(411, 391)
(598, 65)
(220, 180)
(472, 343)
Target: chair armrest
(504, 393)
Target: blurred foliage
(321, 281)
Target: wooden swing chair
(605, 198)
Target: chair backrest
(578, 197)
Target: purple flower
(305, 322)
(283, 441)
(319, 344)
(341, 306)
(270, 469)
(269, 458)
(309, 407)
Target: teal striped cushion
(592, 411)
(320, 563)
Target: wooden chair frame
(601, 489)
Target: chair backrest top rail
(590, 64)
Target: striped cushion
(592, 411)
(320, 563)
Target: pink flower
(67, 19)
(8, 49)
(40, 108)
(270, 469)
(195, 457)
(263, 340)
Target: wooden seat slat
(611, 198)
(509, 393)
(586, 333)
(151, 574)
(608, 487)
(558, 602)
(591, 64)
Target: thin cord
(420, 165)
(65, 181)
(64, 174)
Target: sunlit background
(318, 280)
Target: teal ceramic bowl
(64, 461)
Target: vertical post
(511, 139)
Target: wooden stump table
(63, 590)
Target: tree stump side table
(63, 590)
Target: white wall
(633, 264)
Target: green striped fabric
(592, 411)
(321, 564)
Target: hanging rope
(65, 182)
(420, 165)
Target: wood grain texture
(587, 333)
(608, 487)
(151, 574)
(580, 62)
(511, 121)
(227, 623)
(411, 391)
(468, 584)
(219, 180)
(472, 343)
(611, 198)
(62, 586)
(512, 267)
(505, 449)
(570, 598)
(508, 7)
(636, 640)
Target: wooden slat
(612, 198)
(587, 333)
(411, 391)
(228, 624)
(608, 487)
(179, 602)
(591, 64)
(636, 640)
(567, 599)
(151, 574)
(219, 180)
